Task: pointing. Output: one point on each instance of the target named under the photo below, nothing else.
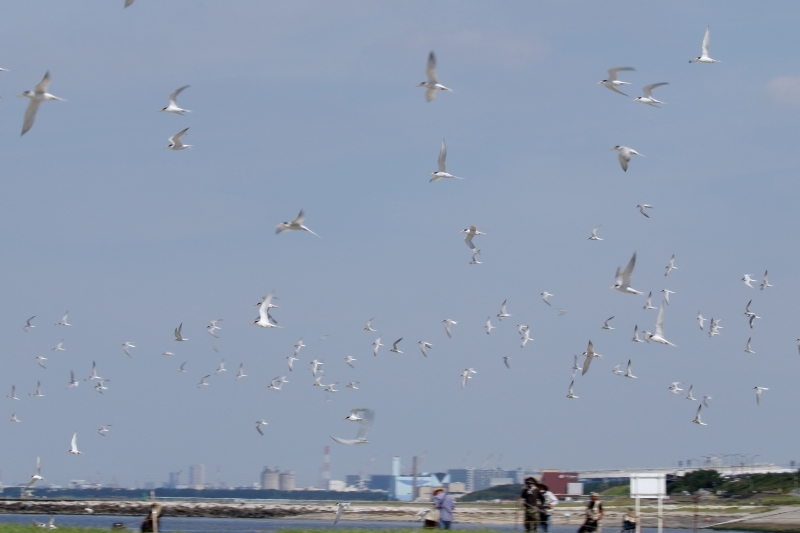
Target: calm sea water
(255, 525)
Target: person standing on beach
(444, 502)
(550, 501)
(532, 502)
(594, 513)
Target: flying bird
(747, 348)
(73, 447)
(623, 278)
(526, 336)
(63, 321)
(689, 394)
(670, 266)
(299, 345)
(375, 345)
(212, 327)
(340, 507)
(173, 102)
(442, 166)
(466, 375)
(545, 295)
(295, 225)
(488, 327)
(432, 84)
(59, 347)
(506, 358)
(290, 361)
(38, 95)
(658, 336)
(503, 313)
(704, 57)
(624, 155)
(642, 208)
(475, 255)
(175, 142)
(636, 334)
(38, 393)
(203, 381)
(628, 373)
(471, 232)
(648, 97)
(28, 325)
(259, 424)
(748, 280)
(126, 346)
(367, 418)
(394, 348)
(13, 393)
(765, 283)
(423, 346)
(700, 319)
(649, 303)
(666, 293)
(674, 389)
(606, 324)
(447, 323)
(37, 476)
(612, 82)
(264, 319)
(349, 360)
(570, 392)
(39, 361)
(697, 417)
(352, 385)
(589, 354)
(103, 429)
(759, 390)
(72, 381)
(593, 236)
(368, 327)
(178, 335)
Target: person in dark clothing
(147, 523)
(594, 513)
(532, 502)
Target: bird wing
(430, 94)
(338, 514)
(74, 443)
(258, 428)
(176, 139)
(300, 218)
(394, 345)
(706, 41)
(430, 69)
(174, 95)
(367, 418)
(41, 88)
(648, 88)
(128, 3)
(615, 90)
(344, 441)
(612, 72)
(660, 321)
(626, 274)
(30, 116)
(442, 157)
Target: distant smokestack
(325, 474)
(395, 466)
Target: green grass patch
(30, 528)
(768, 528)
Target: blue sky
(314, 106)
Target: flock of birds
(362, 416)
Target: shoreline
(711, 517)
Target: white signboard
(648, 485)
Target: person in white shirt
(550, 501)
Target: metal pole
(414, 473)
(660, 514)
(638, 517)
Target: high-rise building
(197, 477)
